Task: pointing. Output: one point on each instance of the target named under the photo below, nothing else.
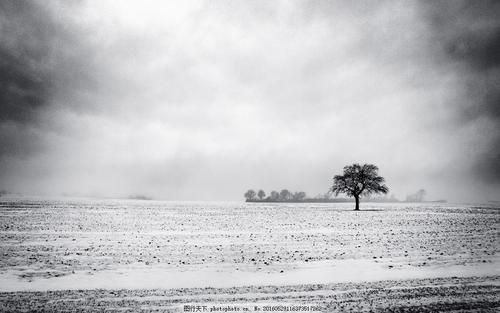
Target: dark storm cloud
(468, 33)
(40, 57)
(25, 50)
(25, 76)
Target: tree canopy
(261, 194)
(359, 180)
(250, 194)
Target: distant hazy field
(88, 255)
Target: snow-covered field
(89, 255)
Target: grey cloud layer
(469, 34)
(41, 60)
(25, 52)
(204, 99)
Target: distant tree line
(357, 181)
(417, 196)
(283, 196)
(139, 197)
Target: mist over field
(205, 99)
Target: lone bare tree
(359, 181)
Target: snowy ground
(146, 255)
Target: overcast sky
(202, 100)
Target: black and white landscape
(208, 156)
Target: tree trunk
(357, 204)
